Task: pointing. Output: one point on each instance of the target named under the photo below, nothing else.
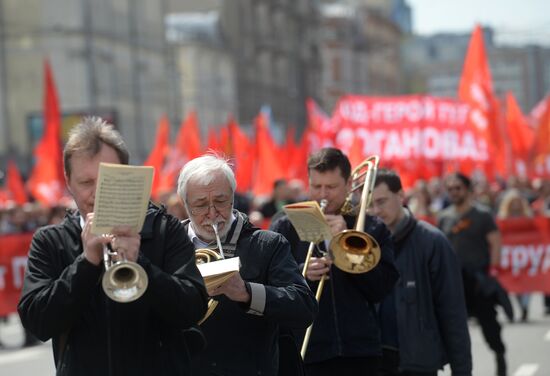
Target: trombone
(353, 251)
(123, 281)
(205, 255)
(320, 286)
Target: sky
(514, 21)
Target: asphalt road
(528, 348)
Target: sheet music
(308, 220)
(121, 198)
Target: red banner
(13, 260)
(408, 127)
(525, 254)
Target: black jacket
(240, 342)
(347, 325)
(431, 312)
(62, 298)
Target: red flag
(213, 142)
(356, 152)
(268, 167)
(186, 147)
(158, 153)
(542, 137)
(15, 185)
(243, 154)
(46, 179)
(322, 130)
(476, 89)
(520, 134)
(188, 140)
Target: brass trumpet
(123, 281)
(205, 255)
(355, 251)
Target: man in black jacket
(345, 338)
(267, 292)
(424, 320)
(62, 295)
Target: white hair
(202, 170)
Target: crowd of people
(438, 247)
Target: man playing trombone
(63, 298)
(345, 337)
(268, 291)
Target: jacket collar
(404, 227)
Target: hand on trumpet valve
(234, 288)
(93, 244)
(125, 242)
(318, 266)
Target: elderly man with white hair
(267, 292)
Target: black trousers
(483, 309)
(364, 366)
(390, 366)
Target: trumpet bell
(354, 251)
(125, 281)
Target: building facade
(204, 67)
(276, 55)
(360, 50)
(108, 57)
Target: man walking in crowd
(475, 237)
(345, 338)
(62, 295)
(269, 291)
(424, 320)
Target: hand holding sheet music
(309, 221)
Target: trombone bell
(354, 251)
(125, 281)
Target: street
(528, 348)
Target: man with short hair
(424, 319)
(475, 237)
(345, 338)
(267, 292)
(63, 298)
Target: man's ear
(401, 195)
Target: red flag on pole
(15, 185)
(243, 154)
(520, 134)
(321, 129)
(213, 142)
(268, 169)
(158, 153)
(476, 89)
(189, 138)
(46, 179)
(542, 141)
(186, 147)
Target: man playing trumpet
(63, 298)
(268, 291)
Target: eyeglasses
(205, 208)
